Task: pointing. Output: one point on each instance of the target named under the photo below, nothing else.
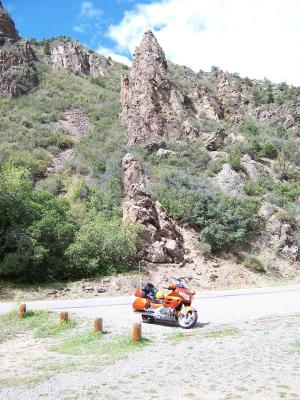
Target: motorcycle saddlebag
(140, 304)
(138, 293)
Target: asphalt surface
(217, 307)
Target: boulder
(213, 141)
(163, 153)
(229, 181)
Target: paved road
(255, 363)
(215, 307)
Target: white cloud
(89, 10)
(117, 57)
(79, 28)
(257, 38)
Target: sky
(256, 38)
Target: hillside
(102, 166)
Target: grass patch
(89, 343)
(122, 346)
(175, 337)
(296, 346)
(83, 343)
(41, 323)
(221, 334)
(27, 382)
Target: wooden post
(22, 310)
(64, 316)
(136, 332)
(98, 325)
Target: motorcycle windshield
(180, 282)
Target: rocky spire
(8, 32)
(151, 105)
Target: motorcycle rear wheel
(189, 320)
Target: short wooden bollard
(98, 325)
(22, 310)
(136, 332)
(64, 316)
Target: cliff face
(151, 105)
(8, 32)
(17, 73)
(71, 55)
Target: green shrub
(203, 247)
(214, 167)
(46, 47)
(286, 193)
(104, 246)
(268, 150)
(250, 127)
(254, 264)
(257, 187)
(36, 229)
(234, 160)
(99, 80)
(220, 220)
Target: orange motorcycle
(176, 306)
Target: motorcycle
(176, 306)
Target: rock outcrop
(282, 114)
(207, 105)
(17, 72)
(8, 32)
(213, 141)
(278, 232)
(229, 181)
(70, 55)
(162, 240)
(255, 170)
(151, 105)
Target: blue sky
(86, 21)
(256, 38)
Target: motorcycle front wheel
(188, 320)
(147, 318)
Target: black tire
(147, 319)
(188, 321)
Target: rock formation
(8, 32)
(162, 240)
(17, 73)
(70, 55)
(206, 104)
(151, 105)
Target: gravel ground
(249, 357)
